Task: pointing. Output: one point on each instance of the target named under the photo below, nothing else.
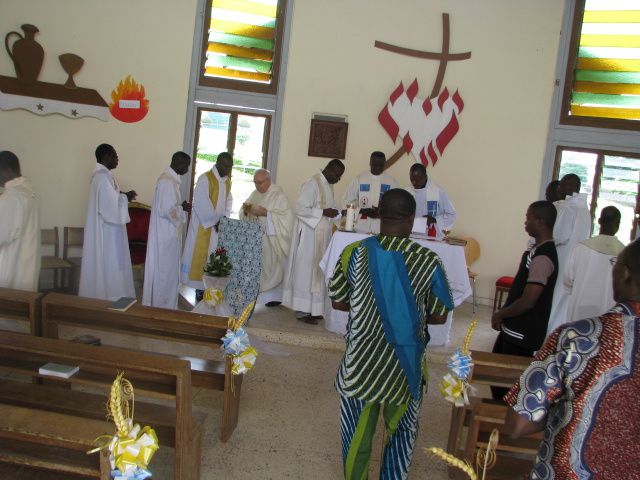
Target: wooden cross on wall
(444, 57)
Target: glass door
(245, 136)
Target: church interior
(507, 146)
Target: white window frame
(234, 100)
(574, 136)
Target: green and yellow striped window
(242, 38)
(607, 75)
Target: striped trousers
(357, 427)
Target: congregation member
(582, 388)
(211, 202)
(432, 202)
(164, 244)
(587, 274)
(106, 262)
(19, 228)
(365, 191)
(392, 288)
(523, 320)
(573, 225)
(553, 192)
(270, 207)
(316, 213)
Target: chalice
(71, 64)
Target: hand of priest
(131, 195)
(330, 212)
(258, 211)
(186, 206)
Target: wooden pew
(21, 306)
(514, 458)
(168, 325)
(491, 369)
(65, 421)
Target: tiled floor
(289, 426)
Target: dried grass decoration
(455, 386)
(132, 447)
(236, 343)
(485, 458)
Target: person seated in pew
(164, 245)
(587, 275)
(432, 202)
(269, 205)
(522, 322)
(582, 389)
(19, 227)
(365, 192)
(105, 272)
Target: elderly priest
(269, 206)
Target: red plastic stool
(503, 285)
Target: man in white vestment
(269, 205)
(19, 228)
(211, 202)
(106, 262)
(573, 225)
(304, 288)
(164, 245)
(587, 273)
(432, 202)
(365, 191)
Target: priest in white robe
(211, 202)
(164, 245)
(316, 213)
(365, 191)
(573, 225)
(432, 203)
(19, 228)
(268, 205)
(106, 262)
(587, 274)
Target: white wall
(491, 169)
(152, 41)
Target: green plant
(219, 264)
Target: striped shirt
(370, 370)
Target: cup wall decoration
(26, 92)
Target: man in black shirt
(522, 322)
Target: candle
(351, 213)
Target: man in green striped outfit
(392, 288)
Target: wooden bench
(21, 306)
(491, 369)
(158, 323)
(66, 415)
(514, 458)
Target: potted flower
(216, 276)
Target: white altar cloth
(452, 257)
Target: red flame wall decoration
(128, 102)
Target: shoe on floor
(273, 304)
(312, 319)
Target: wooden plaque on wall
(328, 139)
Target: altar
(452, 257)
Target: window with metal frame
(241, 46)
(602, 83)
(609, 179)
